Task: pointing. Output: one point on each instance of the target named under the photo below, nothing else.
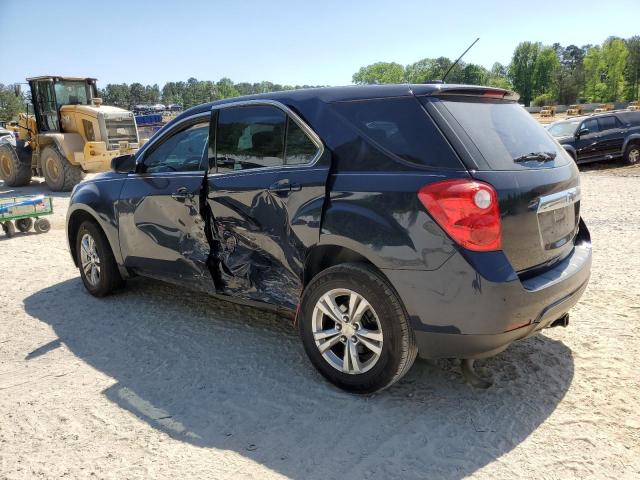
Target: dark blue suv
(389, 221)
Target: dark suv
(605, 136)
(389, 220)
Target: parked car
(600, 137)
(7, 136)
(388, 220)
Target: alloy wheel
(347, 331)
(634, 155)
(89, 259)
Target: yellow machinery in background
(68, 134)
(548, 111)
(574, 110)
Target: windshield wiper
(539, 156)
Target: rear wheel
(98, 268)
(42, 225)
(14, 171)
(632, 155)
(24, 224)
(59, 174)
(355, 330)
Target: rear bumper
(456, 312)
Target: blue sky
(287, 42)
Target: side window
(591, 125)
(401, 127)
(608, 123)
(181, 152)
(250, 137)
(300, 149)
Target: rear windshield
(504, 133)
(402, 128)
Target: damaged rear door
(265, 197)
(162, 231)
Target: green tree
(544, 73)
(473, 74)
(632, 69)
(152, 94)
(614, 56)
(522, 69)
(10, 103)
(116, 95)
(498, 77)
(226, 88)
(604, 71)
(381, 72)
(569, 77)
(137, 94)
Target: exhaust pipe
(563, 321)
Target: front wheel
(59, 174)
(97, 265)
(355, 330)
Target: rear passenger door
(587, 144)
(611, 136)
(266, 192)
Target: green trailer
(25, 212)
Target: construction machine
(69, 133)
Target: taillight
(467, 210)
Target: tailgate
(536, 181)
(539, 210)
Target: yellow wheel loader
(69, 134)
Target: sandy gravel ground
(155, 382)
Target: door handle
(284, 186)
(182, 193)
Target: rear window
(504, 133)
(400, 127)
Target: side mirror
(17, 89)
(582, 131)
(124, 164)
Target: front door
(588, 144)
(46, 108)
(160, 222)
(266, 194)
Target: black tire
(109, 276)
(9, 229)
(14, 172)
(24, 224)
(42, 225)
(59, 174)
(399, 348)
(632, 154)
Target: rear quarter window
(402, 129)
(499, 132)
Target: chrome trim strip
(558, 200)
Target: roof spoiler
(472, 91)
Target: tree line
(541, 74)
(189, 93)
